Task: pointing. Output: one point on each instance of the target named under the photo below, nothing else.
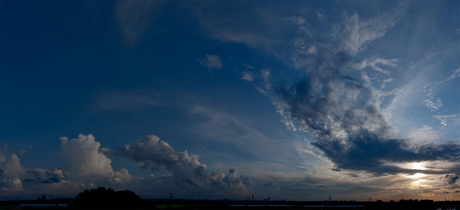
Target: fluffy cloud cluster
(15, 177)
(83, 156)
(10, 170)
(153, 154)
(88, 167)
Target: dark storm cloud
(153, 154)
(369, 153)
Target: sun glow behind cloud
(419, 182)
(417, 166)
(417, 175)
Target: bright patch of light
(417, 176)
(418, 182)
(418, 166)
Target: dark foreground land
(239, 204)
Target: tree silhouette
(102, 198)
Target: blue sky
(212, 99)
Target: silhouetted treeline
(102, 198)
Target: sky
(293, 100)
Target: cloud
(247, 66)
(433, 105)
(14, 184)
(21, 152)
(355, 34)
(10, 171)
(211, 62)
(135, 18)
(15, 177)
(10, 164)
(247, 76)
(303, 51)
(229, 182)
(153, 154)
(254, 25)
(89, 167)
(424, 133)
(344, 116)
(39, 175)
(297, 20)
(454, 75)
(445, 118)
(450, 178)
(349, 38)
(218, 23)
(430, 101)
(375, 62)
(241, 132)
(127, 101)
(342, 110)
(385, 81)
(320, 15)
(272, 185)
(83, 156)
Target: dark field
(240, 204)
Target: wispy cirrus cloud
(130, 100)
(444, 118)
(425, 133)
(136, 17)
(343, 112)
(254, 25)
(373, 63)
(354, 33)
(454, 75)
